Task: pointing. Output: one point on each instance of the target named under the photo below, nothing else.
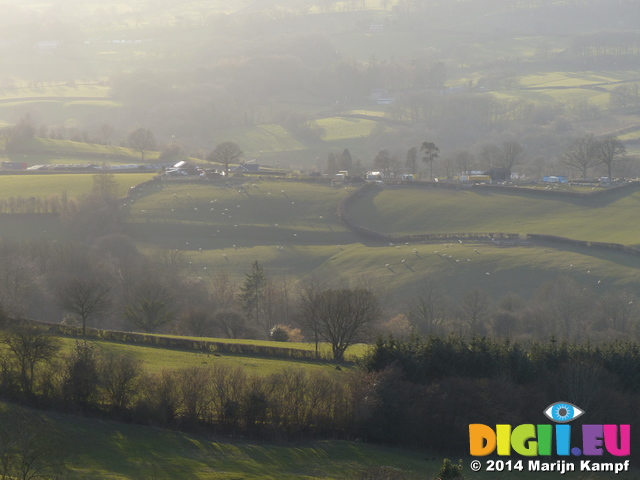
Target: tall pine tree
(252, 292)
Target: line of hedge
(519, 190)
(585, 243)
(156, 179)
(206, 346)
(557, 193)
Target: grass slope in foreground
(107, 450)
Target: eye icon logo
(563, 412)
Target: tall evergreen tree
(252, 292)
(346, 162)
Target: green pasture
(257, 140)
(372, 112)
(608, 218)
(156, 359)
(355, 351)
(551, 96)
(272, 142)
(264, 212)
(343, 128)
(67, 111)
(106, 450)
(398, 272)
(74, 184)
(574, 79)
(306, 237)
(625, 137)
(44, 151)
(52, 146)
(64, 91)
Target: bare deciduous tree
(307, 318)
(85, 297)
(231, 322)
(30, 447)
(343, 315)
(151, 307)
(119, 375)
(225, 153)
(30, 346)
(105, 184)
(608, 151)
(475, 308)
(512, 154)
(429, 309)
(141, 140)
(581, 154)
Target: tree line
(220, 398)
(443, 384)
(404, 391)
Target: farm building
(246, 168)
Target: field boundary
(345, 216)
(495, 237)
(188, 344)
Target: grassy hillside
(218, 217)
(75, 184)
(97, 449)
(155, 359)
(607, 218)
(222, 230)
(292, 228)
(272, 143)
(36, 150)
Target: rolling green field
(222, 230)
(75, 184)
(297, 232)
(98, 449)
(306, 237)
(21, 90)
(608, 218)
(45, 150)
(210, 216)
(155, 359)
(273, 143)
(105, 450)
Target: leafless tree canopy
(85, 297)
(343, 315)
